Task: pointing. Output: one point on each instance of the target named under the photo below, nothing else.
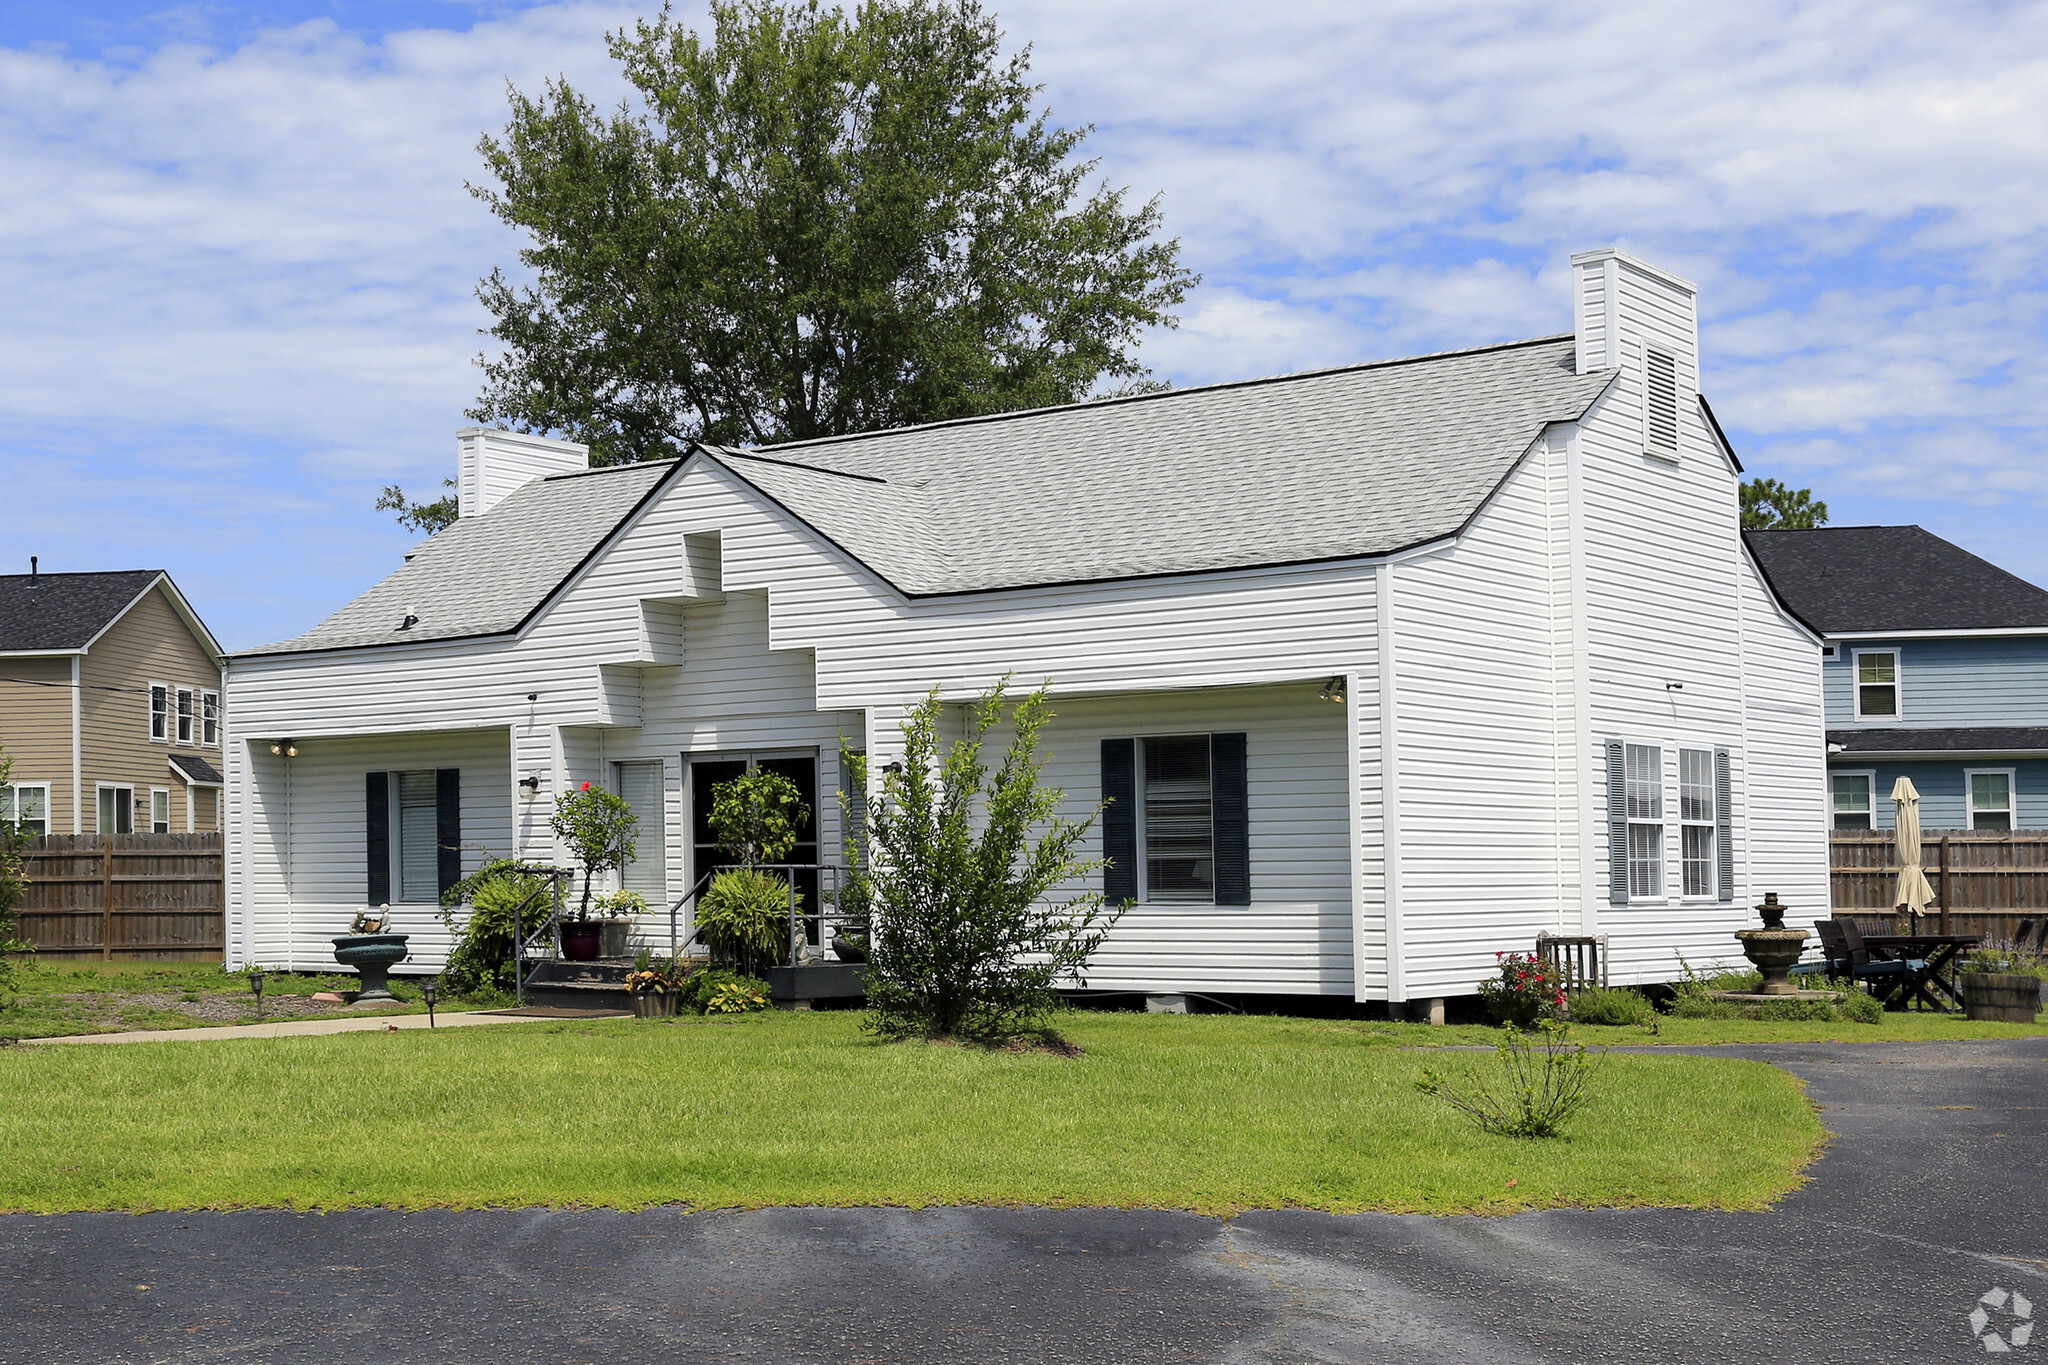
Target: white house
(1388, 667)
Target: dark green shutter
(377, 823)
(1724, 824)
(1120, 820)
(1617, 825)
(1230, 819)
(447, 827)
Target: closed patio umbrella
(1914, 895)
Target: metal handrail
(839, 874)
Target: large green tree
(1768, 505)
(813, 223)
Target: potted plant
(618, 912)
(2001, 985)
(598, 827)
(656, 984)
(744, 916)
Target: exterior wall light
(1333, 690)
(529, 786)
(284, 747)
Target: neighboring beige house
(110, 705)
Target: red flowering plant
(598, 828)
(1528, 991)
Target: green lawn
(55, 997)
(1914, 1026)
(1198, 1112)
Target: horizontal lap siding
(35, 730)
(1996, 682)
(308, 874)
(1480, 829)
(1786, 850)
(1295, 936)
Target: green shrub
(1698, 1006)
(12, 884)
(743, 918)
(1528, 990)
(701, 988)
(2008, 961)
(1540, 1088)
(481, 964)
(1617, 1007)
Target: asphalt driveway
(1934, 1194)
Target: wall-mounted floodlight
(284, 747)
(1333, 690)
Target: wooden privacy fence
(125, 896)
(1985, 881)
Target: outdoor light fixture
(1333, 690)
(893, 769)
(430, 988)
(1674, 687)
(256, 985)
(529, 786)
(285, 747)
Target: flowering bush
(1528, 991)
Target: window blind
(419, 866)
(640, 785)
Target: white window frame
(1651, 824)
(159, 720)
(11, 811)
(101, 787)
(660, 860)
(2012, 796)
(1898, 685)
(185, 715)
(394, 798)
(1145, 896)
(154, 794)
(1710, 824)
(1869, 776)
(1668, 454)
(209, 718)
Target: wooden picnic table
(1934, 952)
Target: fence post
(107, 897)
(1944, 883)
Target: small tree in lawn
(599, 827)
(966, 942)
(13, 882)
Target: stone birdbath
(372, 952)
(1774, 950)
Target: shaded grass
(56, 998)
(1205, 1113)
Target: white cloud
(239, 280)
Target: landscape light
(430, 988)
(256, 985)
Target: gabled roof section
(489, 574)
(1857, 579)
(1333, 464)
(195, 770)
(65, 612)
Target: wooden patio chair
(1834, 954)
(1867, 969)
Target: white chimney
(490, 464)
(1633, 317)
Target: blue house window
(1877, 684)
(1851, 793)
(1990, 798)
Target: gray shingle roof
(1877, 742)
(1334, 464)
(65, 610)
(196, 769)
(1874, 578)
(485, 575)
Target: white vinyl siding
(1877, 684)
(26, 804)
(1849, 795)
(414, 855)
(1990, 796)
(642, 787)
(1696, 821)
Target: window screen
(1645, 767)
(640, 784)
(1179, 834)
(418, 856)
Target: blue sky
(236, 254)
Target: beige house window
(117, 810)
(186, 715)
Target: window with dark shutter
(1120, 820)
(1230, 814)
(377, 824)
(1178, 810)
(1617, 824)
(447, 829)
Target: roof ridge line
(1174, 393)
(730, 453)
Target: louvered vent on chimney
(1660, 403)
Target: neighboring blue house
(1935, 666)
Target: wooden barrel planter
(1998, 997)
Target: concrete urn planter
(1774, 952)
(373, 956)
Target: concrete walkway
(291, 1028)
